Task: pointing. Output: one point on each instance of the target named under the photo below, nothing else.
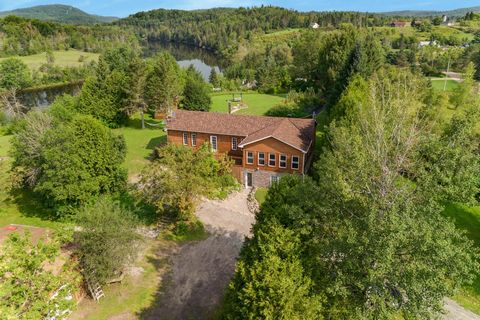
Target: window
(185, 138)
(194, 139)
(213, 143)
(295, 162)
(273, 180)
(272, 159)
(283, 161)
(261, 158)
(234, 143)
(249, 157)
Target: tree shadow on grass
(31, 205)
(157, 142)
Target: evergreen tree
(213, 78)
(270, 282)
(164, 83)
(196, 94)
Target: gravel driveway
(201, 271)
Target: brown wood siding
(224, 142)
(272, 146)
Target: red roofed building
(263, 148)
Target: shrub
(108, 240)
(175, 181)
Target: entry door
(249, 179)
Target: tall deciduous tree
(68, 158)
(14, 74)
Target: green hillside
(58, 13)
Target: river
(201, 59)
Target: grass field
(258, 103)
(63, 58)
(439, 84)
(140, 143)
(468, 219)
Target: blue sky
(121, 8)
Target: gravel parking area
(201, 271)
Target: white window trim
(258, 158)
(298, 163)
(216, 143)
(193, 136)
(253, 157)
(274, 179)
(185, 139)
(280, 161)
(272, 154)
(234, 145)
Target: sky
(122, 8)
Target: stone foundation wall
(260, 178)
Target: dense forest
(221, 29)
(21, 36)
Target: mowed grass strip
(467, 219)
(63, 58)
(440, 85)
(258, 103)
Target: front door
(249, 179)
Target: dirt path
(201, 271)
(454, 311)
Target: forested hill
(220, 29)
(421, 13)
(58, 13)
(22, 36)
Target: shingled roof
(298, 133)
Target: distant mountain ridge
(58, 13)
(426, 13)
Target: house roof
(298, 133)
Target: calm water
(201, 59)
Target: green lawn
(439, 84)
(468, 219)
(68, 58)
(128, 299)
(261, 195)
(20, 207)
(258, 103)
(140, 143)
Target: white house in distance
(315, 25)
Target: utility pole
(448, 69)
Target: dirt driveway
(201, 271)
